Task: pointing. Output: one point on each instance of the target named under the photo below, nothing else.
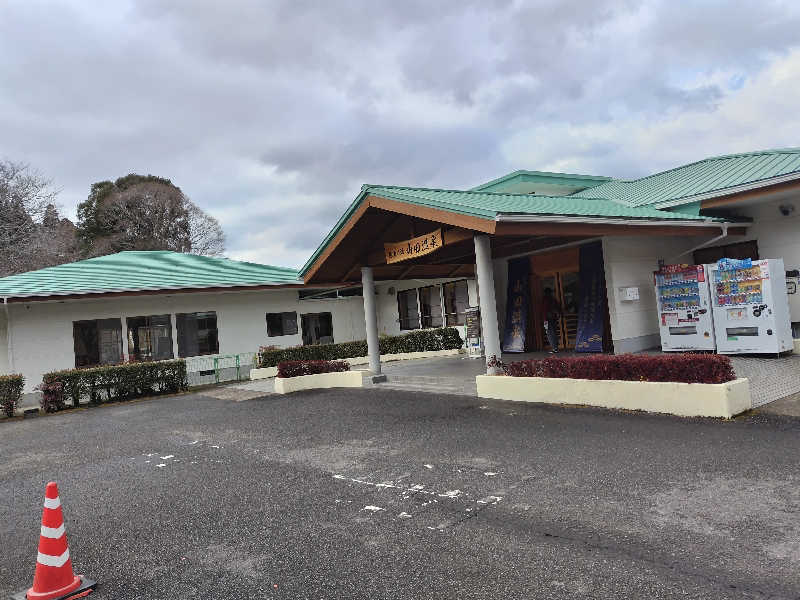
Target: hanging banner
(517, 305)
(591, 309)
(418, 246)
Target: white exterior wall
(630, 262)
(347, 315)
(4, 366)
(778, 236)
(42, 331)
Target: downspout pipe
(723, 235)
(10, 345)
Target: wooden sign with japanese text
(418, 246)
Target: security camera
(786, 209)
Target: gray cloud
(270, 115)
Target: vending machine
(751, 307)
(685, 317)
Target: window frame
(98, 340)
(460, 318)
(305, 319)
(400, 312)
(283, 319)
(178, 323)
(137, 355)
(422, 317)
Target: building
(593, 240)
(423, 255)
(161, 305)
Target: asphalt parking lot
(385, 494)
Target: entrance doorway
(565, 286)
(560, 271)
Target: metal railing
(218, 368)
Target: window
(317, 328)
(150, 338)
(197, 333)
(430, 305)
(456, 300)
(407, 309)
(284, 323)
(330, 294)
(97, 342)
(737, 250)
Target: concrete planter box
(685, 399)
(264, 373)
(287, 385)
(268, 372)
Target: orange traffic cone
(54, 579)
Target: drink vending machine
(751, 307)
(684, 308)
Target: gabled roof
(143, 271)
(707, 178)
(491, 205)
(545, 177)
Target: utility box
(628, 294)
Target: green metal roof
(143, 271)
(544, 177)
(709, 177)
(490, 205)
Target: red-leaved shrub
(681, 368)
(52, 399)
(295, 368)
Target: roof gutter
(605, 221)
(723, 235)
(746, 187)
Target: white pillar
(486, 299)
(371, 319)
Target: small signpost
(473, 326)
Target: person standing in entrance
(550, 312)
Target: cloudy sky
(270, 115)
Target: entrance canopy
(420, 233)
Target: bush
(423, 340)
(11, 387)
(681, 368)
(52, 399)
(296, 368)
(120, 382)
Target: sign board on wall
(418, 246)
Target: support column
(486, 299)
(371, 319)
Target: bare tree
(32, 235)
(205, 233)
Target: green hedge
(120, 382)
(11, 387)
(423, 340)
